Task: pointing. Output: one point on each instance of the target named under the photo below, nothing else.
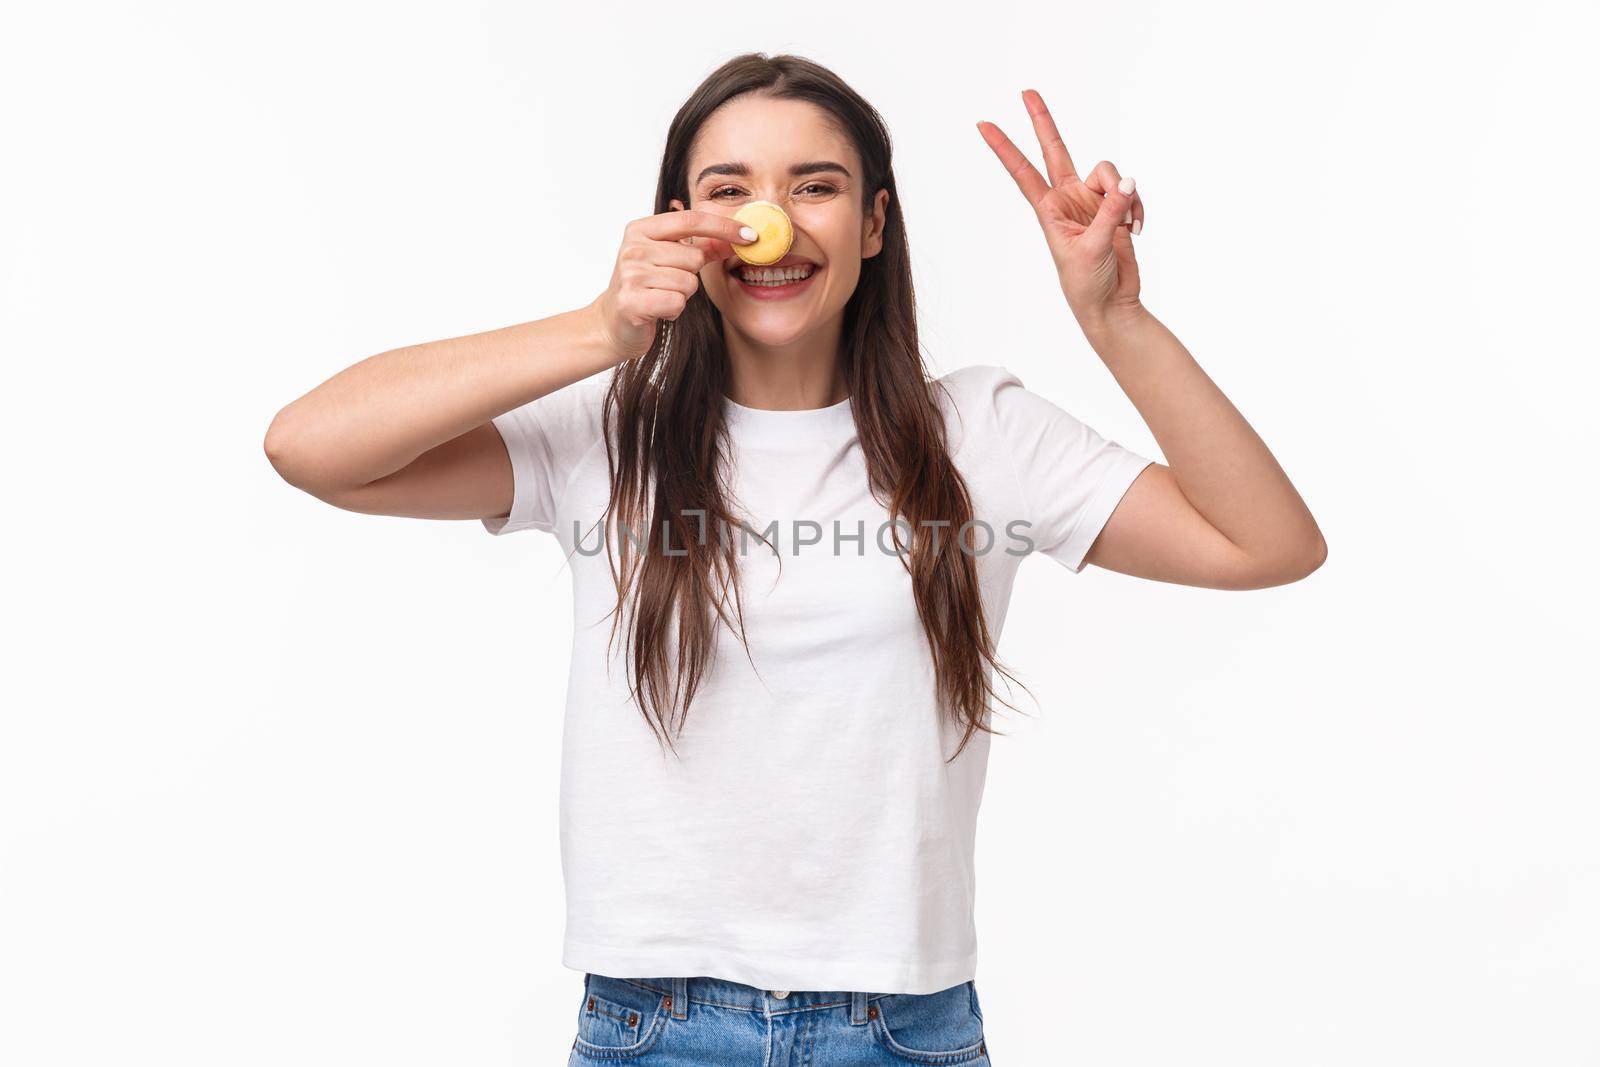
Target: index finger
(676, 225)
(715, 248)
(1030, 181)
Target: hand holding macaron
(658, 269)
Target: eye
(716, 194)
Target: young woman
(774, 516)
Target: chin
(775, 329)
(775, 325)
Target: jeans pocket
(930, 1028)
(617, 1020)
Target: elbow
(1318, 556)
(287, 451)
(1297, 565)
(306, 458)
(280, 447)
(1285, 566)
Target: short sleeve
(532, 473)
(1071, 478)
(546, 440)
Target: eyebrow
(797, 170)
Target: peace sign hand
(1088, 222)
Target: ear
(872, 228)
(677, 205)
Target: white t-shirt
(809, 834)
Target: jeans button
(779, 993)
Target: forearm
(1223, 467)
(376, 417)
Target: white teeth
(771, 276)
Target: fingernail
(1127, 216)
(1138, 224)
(1125, 186)
(748, 234)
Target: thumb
(1113, 209)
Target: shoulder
(978, 380)
(562, 426)
(579, 403)
(990, 413)
(570, 417)
(978, 399)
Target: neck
(803, 374)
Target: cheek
(830, 231)
(836, 238)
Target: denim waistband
(721, 993)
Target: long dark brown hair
(663, 425)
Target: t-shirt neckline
(772, 426)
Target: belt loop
(680, 998)
(858, 1008)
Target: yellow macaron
(774, 233)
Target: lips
(787, 290)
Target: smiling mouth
(775, 278)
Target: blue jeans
(709, 1022)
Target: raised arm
(1221, 513)
(408, 432)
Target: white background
(278, 782)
